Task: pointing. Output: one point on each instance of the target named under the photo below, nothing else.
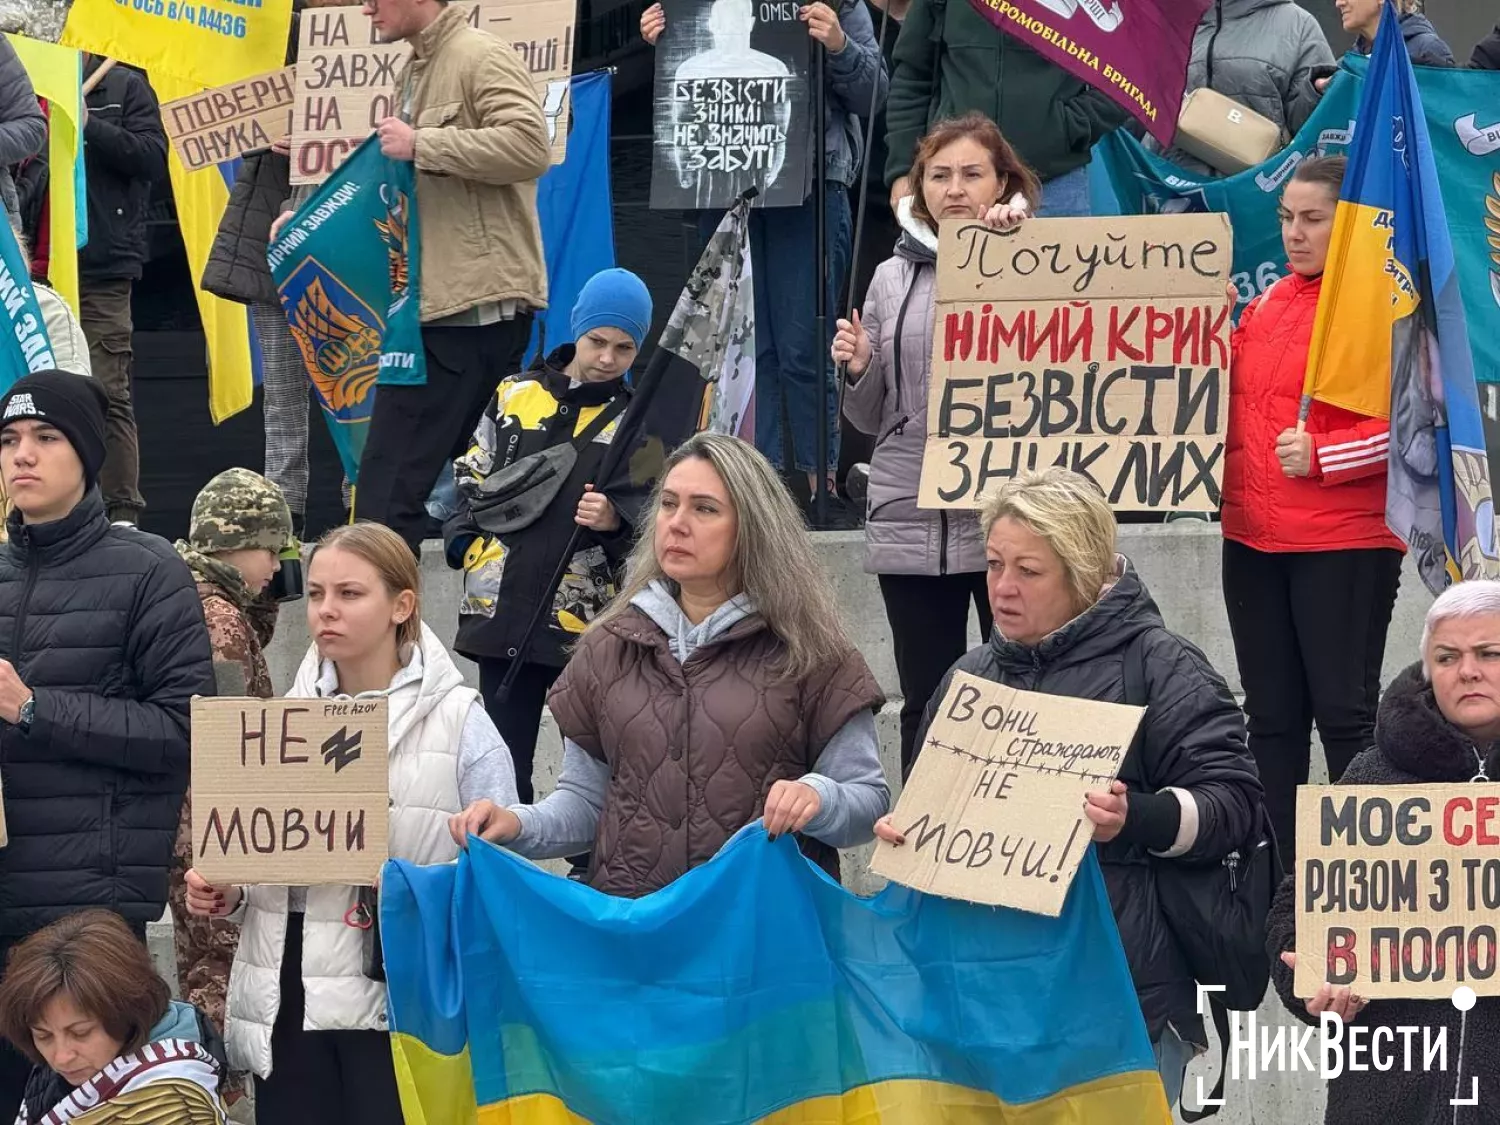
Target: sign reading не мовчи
(291, 792)
(1097, 344)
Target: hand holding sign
(205, 900)
(1336, 998)
(1107, 811)
(653, 23)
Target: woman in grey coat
(1264, 54)
(930, 563)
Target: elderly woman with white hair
(1439, 722)
(1073, 618)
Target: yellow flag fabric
(203, 42)
(57, 74)
(201, 198)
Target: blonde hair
(773, 557)
(392, 559)
(1070, 512)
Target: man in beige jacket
(471, 122)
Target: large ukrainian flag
(754, 989)
(1391, 340)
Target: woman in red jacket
(1310, 568)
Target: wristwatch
(28, 712)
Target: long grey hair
(773, 560)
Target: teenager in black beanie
(108, 648)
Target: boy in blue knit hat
(525, 483)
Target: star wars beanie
(613, 299)
(75, 404)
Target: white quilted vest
(429, 705)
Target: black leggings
(323, 1077)
(929, 618)
(1309, 635)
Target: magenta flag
(1136, 51)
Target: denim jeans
(1067, 196)
(789, 360)
(1172, 1057)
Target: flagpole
(820, 243)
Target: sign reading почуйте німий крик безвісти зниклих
(1098, 344)
(291, 792)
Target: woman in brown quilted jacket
(719, 688)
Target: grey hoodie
(847, 776)
(890, 402)
(1260, 53)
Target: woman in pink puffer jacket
(930, 563)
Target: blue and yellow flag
(754, 989)
(56, 74)
(1390, 339)
(343, 269)
(203, 43)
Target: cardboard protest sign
(732, 105)
(993, 810)
(1098, 344)
(346, 76)
(229, 121)
(290, 792)
(1397, 890)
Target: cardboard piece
(290, 792)
(229, 121)
(1398, 889)
(346, 77)
(993, 810)
(1099, 344)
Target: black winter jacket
(236, 268)
(1193, 739)
(504, 576)
(1424, 46)
(1414, 744)
(104, 625)
(125, 152)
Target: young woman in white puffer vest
(304, 1015)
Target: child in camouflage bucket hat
(240, 524)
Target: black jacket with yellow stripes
(505, 575)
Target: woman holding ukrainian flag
(1310, 567)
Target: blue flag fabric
(575, 207)
(1462, 112)
(754, 989)
(24, 344)
(1391, 331)
(343, 269)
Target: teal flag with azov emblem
(26, 346)
(343, 268)
(1462, 108)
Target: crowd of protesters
(693, 656)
